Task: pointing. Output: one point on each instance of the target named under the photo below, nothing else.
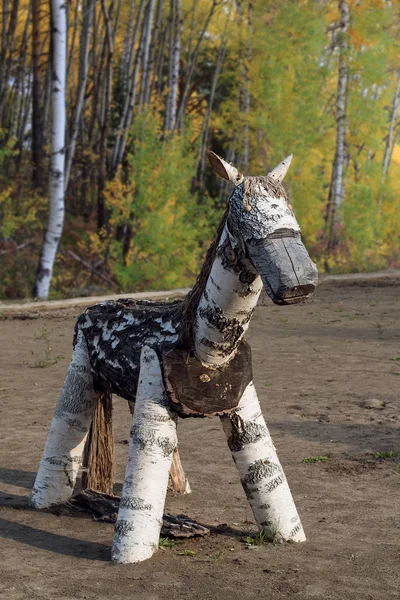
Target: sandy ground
(317, 368)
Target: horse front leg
(151, 447)
(62, 456)
(260, 471)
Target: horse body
(187, 357)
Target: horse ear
(280, 170)
(224, 169)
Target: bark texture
(55, 225)
(151, 447)
(62, 456)
(260, 471)
(336, 192)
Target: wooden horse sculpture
(187, 358)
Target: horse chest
(197, 391)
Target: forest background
(151, 85)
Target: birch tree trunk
(146, 51)
(260, 471)
(336, 192)
(53, 233)
(37, 98)
(88, 8)
(151, 447)
(173, 65)
(125, 120)
(390, 136)
(192, 60)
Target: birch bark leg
(56, 181)
(178, 480)
(260, 471)
(63, 451)
(151, 447)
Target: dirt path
(317, 367)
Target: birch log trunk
(336, 192)
(54, 229)
(260, 471)
(151, 447)
(63, 451)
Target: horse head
(261, 224)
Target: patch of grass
(269, 535)
(186, 552)
(395, 358)
(385, 455)
(166, 543)
(44, 335)
(397, 469)
(216, 557)
(314, 459)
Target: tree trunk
(173, 64)
(192, 60)
(88, 8)
(53, 233)
(336, 192)
(390, 136)
(37, 98)
(102, 217)
(146, 52)
(125, 120)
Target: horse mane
(191, 301)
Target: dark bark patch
(147, 439)
(197, 390)
(258, 471)
(295, 530)
(122, 528)
(134, 503)
(248, 433)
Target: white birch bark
(260, 471)
(63, 451)
(86, 30)
(337, 182)
(126, 117)
(229, 297)
(151, 447)
(173, 69)
(56, 180)
(146, 51)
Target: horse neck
(228, 300)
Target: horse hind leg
(73, 415)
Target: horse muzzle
(286, 269)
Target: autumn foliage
(153, 84)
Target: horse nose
(297, 292)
